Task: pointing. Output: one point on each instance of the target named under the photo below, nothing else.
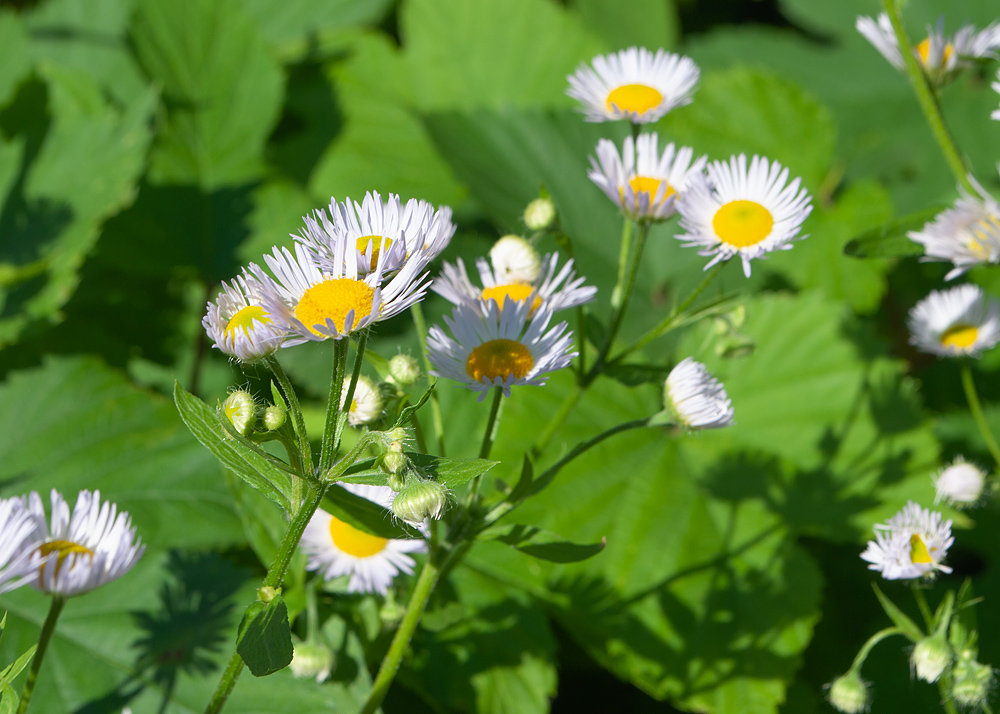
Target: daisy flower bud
(930, 657)
(962, 321)
(395, 460)
(366, 406)
(697, 399)
(404, 370)
(959, 483)
(311, 660)
(18, 534)
(849, 693)
(515, 260)
(971, 682)
(540, 214)
(421, 500)
(274, 418)
(241, 409)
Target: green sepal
(407, 413)
(543, 544)
(898, 617)
(365, 515)
(264, 638)
(890, 240)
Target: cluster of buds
(418, 497)
(246, 416)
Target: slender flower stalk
(48, 628)
(437, 419)
(330, 430)
(489, 436)
(977, 411)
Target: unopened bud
(540, 214)
(959, 483)
(421, 500)
(241, 410)
(266, 593)
(274, 418)
(849, 693)
(931, 657)
(404, 370)
(395, 460)
(972, 682)
(312, 661)
(515, 260)
(366, 406)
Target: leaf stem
(618, 310)
(418, 320)
(977, 410)
(48, 627)
(298, 421)
(872, 641)
(925, 610)
(328, 448)
(557, 420)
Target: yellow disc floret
(637, 98)
(918, 551)
(244, 320)
(742, 223)
(959, 336)
(924, 50)
(63, 549)
(516, 291)
(380, 245)
(333, 299)
(354, 541)
(499, 358)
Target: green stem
(275, 575)
(927, 97)
(48, 627)
(359, 359)
(618, 313)
(298, 421)
(925, 610)
(401, 640)
(418, 320)
(489, 436)
(625, 250)
(872, 641)
(977, 411)
(557, 420)
(328, 450)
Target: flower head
(238, 323)
(18, 534)
(736, 210)
(931, 656)
(85, 550)
(910, 545)
(697, 399)
(848, 693)
(515, 260)
(499, 347)
(957, 322)
(641, 181)
(366, 406)
(336, 548)
(633, 84)
(959, 483)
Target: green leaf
(222, 89)
(407, 412)
(365, 515)
(890, 239)
(898, 617)
(203, 421)
(539, 543)
(10, 672)
(451, 472)
(14, 60)
(647, 23)
(264, 638)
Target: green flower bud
(312, 661)
(515, 260)
(241, 409)
(972, 682)
(849, 693)
(540, 214)
(931, 657)
(421, 500)
(395, 460)
(274, 418)
(404, 370)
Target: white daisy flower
(734, 210)
(515, 260)
(966, 234)
(85, 550)
(336, 548)
(641, 181)
(959, 483)
(912, 544)
(18, 536)
(956, 322)
(941, 56)
(239, 325)
(314, 302)
(499, 347)
(554, 289)
(366, 406)
(386, 233)
(633, 84)
(697, 399)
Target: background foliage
(150, 147)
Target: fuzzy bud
(241, 409)
(274, 418)
(960, 483)
(404, 370)
(421, 500)
(366, 406)
(849, 693)
(971, 682)
(540, 214)
(312, 661)
(395, 460)
(515, 260)
(931, 657)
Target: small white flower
(641, 181)
(697, 399)
(498, 347)
(956, 322)
(959, 483)
(336, 548)
(633, 84)
(910, 545)
(366, 406)
(238, 323)
(18, 536)
(317, 303)
(79, 553)
(966, 234)
(553, 289)
(515, 260)
(736, 210)
(931, 656)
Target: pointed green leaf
(898, 617)
(408, 412)
(11, 671)
(543, 544)
(890, 239)
(451, 472)
(264, 638)
(365, 515)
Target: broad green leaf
(222, 89)
(203, 421)
(647, 23)
(14, 61)
(890, 239)
(264, 639)
(539, 543)
(300, 27)
(451, 472)
(365, 515)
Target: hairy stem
(48, 627)
(328, 450)
(489, 436)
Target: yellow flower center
(63, 549)
(959, 336)
(918, 551)
(516, 291)
(742, 223)
(634, 98)
(380, 244)
(499, 358)
(353, 541)
(924, 50)
(244, 320)
(333, 299)
(651, 186)
(979, 236)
